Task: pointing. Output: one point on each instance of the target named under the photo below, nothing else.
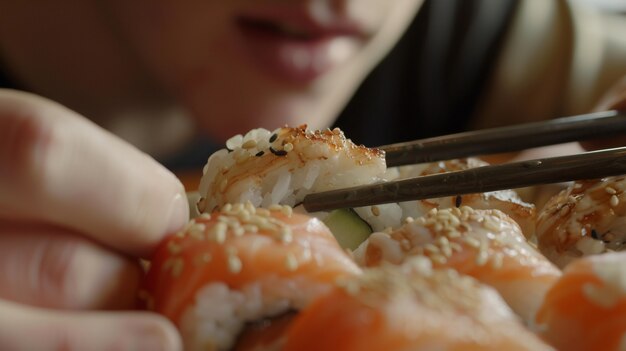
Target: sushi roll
(409, 307)
(507, 201)
(283, 166)
(586, 308)
(586, 218)
(485, 244)
(241, 265)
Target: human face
(242, 64)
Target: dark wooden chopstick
(507, 139)
(589, 165)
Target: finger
(59, 167)
(45, 266)
(615, 99)
(27, 328)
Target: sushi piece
(485, 244)
(410, 307)
(283, 166)
(507, 201)
(241, 265)
(586, 218)
(586, 308)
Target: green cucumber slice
(348, 228)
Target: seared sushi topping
(283, 166)
(583, 219)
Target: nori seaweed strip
(260, 153)
(273, 137)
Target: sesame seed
(287, 210)
(288, 147)
(263, 212)
(564, 211)
(174, 248)
(275, 208)
(453, 234)
(431, 248)
(278, 152)
(219, 232)
(291, 262)
(610, 190)
(491, 225)
(375, 211)
(239, 231)
(456, 247)
(249, 144)
(614, 200)
(177, 267)
(250, 228)
(286, 235)
(496, 262)
(273, 137)
(439, 259)
(481, 258)
(227, 207)
(202, 259)
(234, 264)
(473, 242)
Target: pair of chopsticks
(589, 165)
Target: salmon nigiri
(507, 201)
(586, 308)
(485, 244)
(410, 307)
(238, 266)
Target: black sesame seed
(594, 234)
(273, 137)
(260, 153)
(458, 201)
(278, 152)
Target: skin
(139, 69)
(68, 258)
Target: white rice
(220, 313)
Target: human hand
(76, 205)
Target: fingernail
(158, 336)
(179, 213)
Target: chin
(222, 121)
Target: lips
(289, 44)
